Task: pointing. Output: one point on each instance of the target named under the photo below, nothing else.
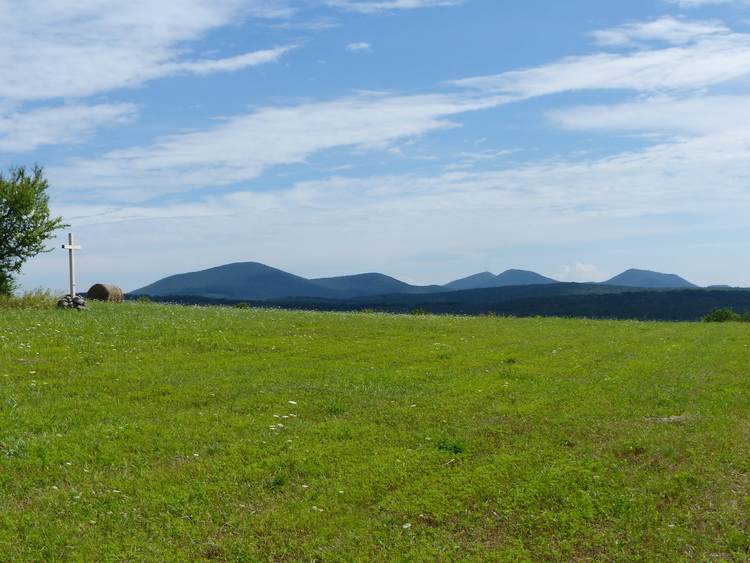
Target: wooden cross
(70, 247)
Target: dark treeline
(596, 303)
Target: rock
(76, 302)
(105, 292)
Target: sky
(427, 140)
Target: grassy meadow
(146, 432)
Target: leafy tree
(721, 316)
(25, 222)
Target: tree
(25, 222)
(722, 316)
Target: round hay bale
(105, 292)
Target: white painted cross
(70, 247)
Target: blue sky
(424, 139)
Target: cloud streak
(230, 64)
(362, 46)
(666, 30)
(699, 3)
(664, 115)
(244, 146)
(712, 57)
(23, 132)
(67, 49)
(370, 7)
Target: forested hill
(553, 300)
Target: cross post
(70, 247)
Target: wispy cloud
(575, 200)
(242, 147)
(698, 3)
(359, 47)
(668, 30)
(372, 6)
(666, 115)
(67, 49)
(57, 54)
(231, 63)
(711, 59)
(581, 272)
(21, 132)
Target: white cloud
(359, 47)
(667, 29)
(244, 146)
(230, 64)
(580, 272)
(667, 115)
(67, 48)
(372, 6)
(21, 132)
(712, 59)
(698, 3)
(639, 193)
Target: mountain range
(252, 281)
(633, 294)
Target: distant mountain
(485, 279)
(507, 278)
(362, 285)
(242, 280)
(521, 277)
(647, 278)
(252, 281)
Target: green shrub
(723, 315)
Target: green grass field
(145, 432)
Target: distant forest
(569, 300)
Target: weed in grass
(452, 445)
(16, 447)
